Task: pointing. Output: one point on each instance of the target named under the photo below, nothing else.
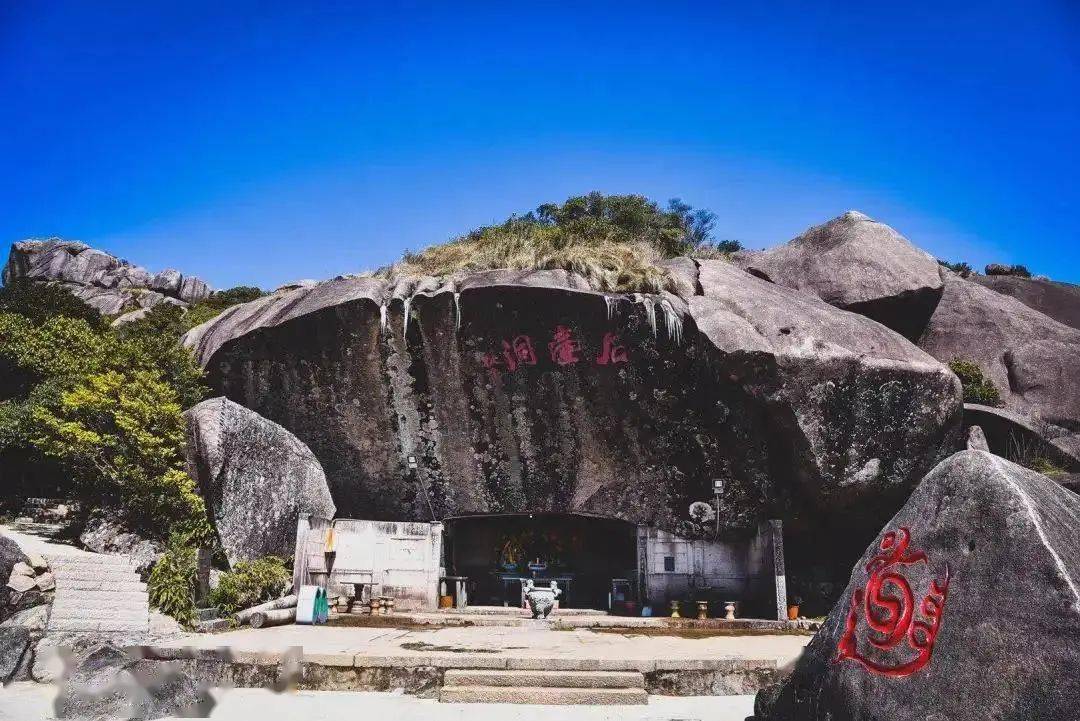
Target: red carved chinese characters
(887, 606)
(611, 352)
(564, 349)
(519, 352)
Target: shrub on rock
(977, 387)
(250, 583)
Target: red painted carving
(519, 352)
(564, 349)
(890, 616)
(492, 363)
(612, 352)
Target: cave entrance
(583, 553)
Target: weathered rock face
(1015, 437)
(1060, 301)
(256, 476)
(974, 590)
(104, 682)
(1030, 357)
(525, 391)
(858, 264)
(104, 535)
(105, 282)
(10, 554)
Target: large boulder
(1060, 301)
(966, 607)
(513, 391)
(257, 478)
(103, 681)
(1030, 357)
(10, 555)
(1013, 436)
(110, 285)
(856, 263)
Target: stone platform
(416, 659)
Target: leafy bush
(977, 387)
(105, 407)
(169, 321)
(999, 269)
(172, 581)
(249, 583)
(616, 242)
(962, 269)
(39, 302)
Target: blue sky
(259, 143)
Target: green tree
(122, 435)
(40, 302)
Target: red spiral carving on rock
(888, 606)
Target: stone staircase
(543, 687)
(97, 593)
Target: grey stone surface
(32, 619)
(45, 582)
(106, 283)
(990, 555)
(257, 478)
(1060, 301)
(105, 682)
(22, 568)
(102, 534)
(1013, 436)
(14, 644)
(1030, 357)
(976, 440)
(856, 263)
(10, 554)
(20, 583)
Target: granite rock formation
(511, 391)
(1030, 357)
(856, 263)
(110, 285)
(256, 476)
(966, 607)
(1060, 301)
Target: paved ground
(29, 702)
(495, 641)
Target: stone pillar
(776, 538)
(303, 528)
(202, 575)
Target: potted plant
(793, 607)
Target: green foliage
(40, 302)
(1016, 270)
(615, 241)
(977, 387)
(104, 407)
(172, 582)
(249, 583)
(961, 269)
(59, 347)
(166, 320)
(122, 434)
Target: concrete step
(83, 586)
(85, 626)
(544, 679)
(553, 696)
(93, 559)
(102, 614)
(92, 575)
(93, 596)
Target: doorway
(582, 553)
